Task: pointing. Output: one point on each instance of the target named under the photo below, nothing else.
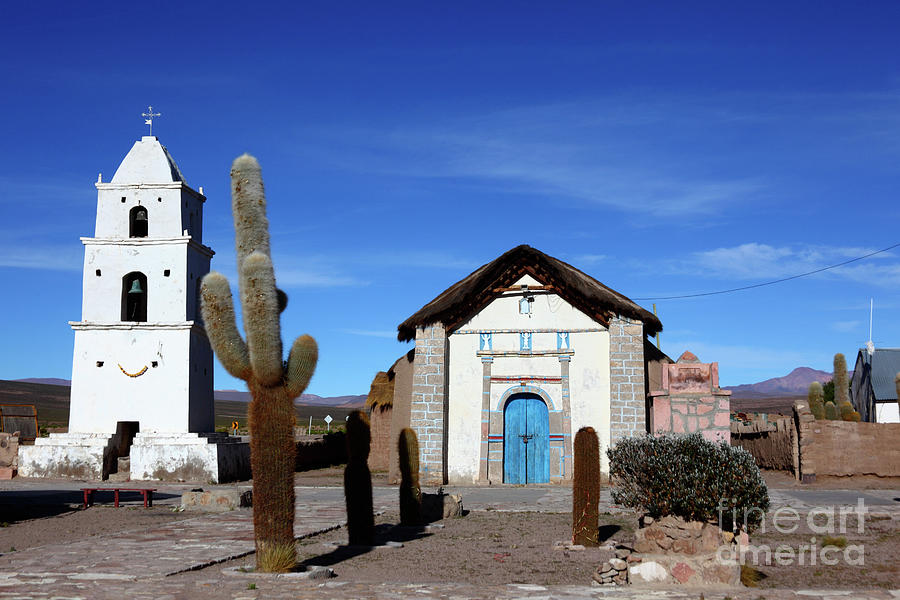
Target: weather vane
(148, 117)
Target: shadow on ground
(383, 533)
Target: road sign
(328, 421)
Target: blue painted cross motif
(526, 440)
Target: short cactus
(815, 396)
(358, 481)
(410, 492)
(586, 488)
(832, 413)
(273, 384)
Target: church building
(512, 360)
(142, 370)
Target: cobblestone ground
(151, 563)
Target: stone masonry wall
(627, 406)
(428, 410)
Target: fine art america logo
(825, 521)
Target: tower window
(166, 272)
(123, 199)
(134, 297)
(97, 272)
(137, 222)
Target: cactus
(273, 384)
(841, 385)
(586, 488)
(846, 410)
(410, 492)
(816, 406)
(831, 412)
(358, 482)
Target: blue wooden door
(526, 440)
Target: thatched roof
(458, 303)
(381, 393)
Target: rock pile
(615, 570)
(674, 535)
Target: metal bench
(147, 493)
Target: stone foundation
(675, 551)
(214, 458)
(75, 455)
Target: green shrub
(689, 477)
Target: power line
(758, 285)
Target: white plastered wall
(588, 371)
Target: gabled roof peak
(466, 297)
(148, 161)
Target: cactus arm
(261, 318)
(301, 364)
(217, 307)
(248, 204)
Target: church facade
(142, 370)
(511, 361)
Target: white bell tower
(141, 354)
(142, 370)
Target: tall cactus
(410, 492)
(586, 488)
(358, 481)
(815, 396)
(273, 384)
(841, 384)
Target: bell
(136, 287)
(141, 215)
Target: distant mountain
(237, 396)
(46, 381)
(795, 383)
(305, 399)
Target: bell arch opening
(137, 222)
(134, 297)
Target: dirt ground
(333, 476)
(24, 527)
(480, 548)
(877, 547)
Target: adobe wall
(403, 375)
(380, 429)
(846, 448)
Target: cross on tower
(148, 117)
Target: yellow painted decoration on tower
(138, 374)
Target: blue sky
(664, 148)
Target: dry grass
(278, 558)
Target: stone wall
(380, 428)
(627, 405)
(691, 400)
(428, 409)
(843, 448)
(769, 441)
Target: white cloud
(756, 261)
(53, 258)
(371, 333)
(846, 326)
